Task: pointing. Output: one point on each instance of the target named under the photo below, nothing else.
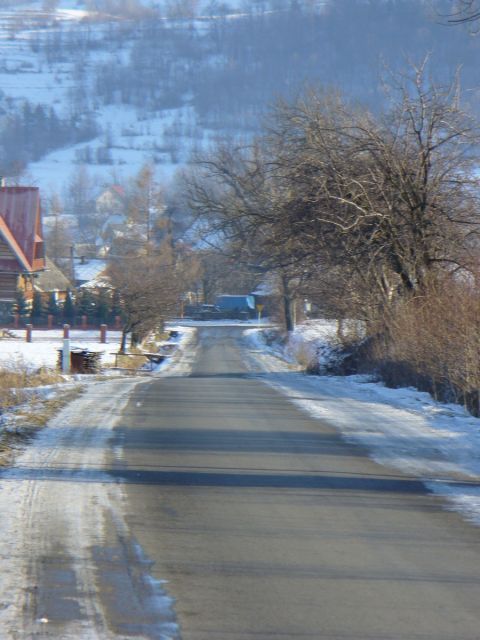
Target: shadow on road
(230, 479)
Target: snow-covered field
(43, 350)
(43, 353)
(404, 429)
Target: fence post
(84, 322)
(66, 355)
(66, 349)
(28, 332)
(103, 333)
(50, 321)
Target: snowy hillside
(26, 75)
(49, 58)
(113, 84)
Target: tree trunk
(287, 305)
(123, 343)
(135, 339)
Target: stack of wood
(82, 360)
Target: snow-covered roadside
(181, 360)
(42, 353)
(58, 496)
(402, 428)
(65, 444)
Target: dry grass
(434, 344)
(28, 410)
(41, 410)
(306, 357)
(131, 361)
(134, 360)
(151, 343)
(15, 378)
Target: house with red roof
(22, 252)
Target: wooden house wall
(8, 286)
(8, 281)
(5, 250)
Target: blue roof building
(235, 303)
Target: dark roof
(21, 227)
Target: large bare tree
(380, 202)
(389, 199)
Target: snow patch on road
(180, 364)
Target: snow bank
(402, 428)
(314, 344)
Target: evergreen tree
(52, 306)
(20, 305)
(102, 306)
(115, 307)
(85, 304)
(68, 309)
(37, 314)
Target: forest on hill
(226, 64)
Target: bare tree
(148, 290)
(80, 202)
(381, 202)
(240, 199)
(176, 9)
(462, 11)
(145, 205)
(388, 199)
(50, 5)
(221, 273)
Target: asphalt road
(268, 525)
